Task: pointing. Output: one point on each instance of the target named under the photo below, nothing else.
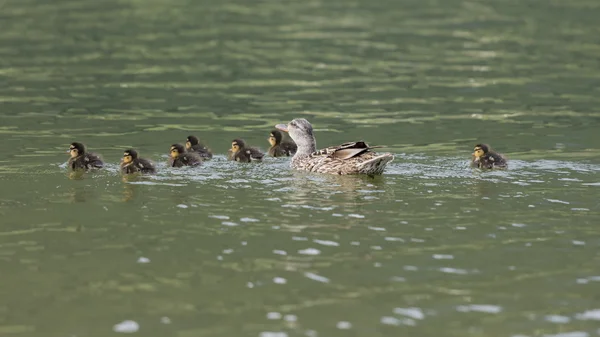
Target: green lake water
(431, 248)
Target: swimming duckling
(178, 157)
(80, 159)
(193, 144)
(485, 158)
(132, 164)
(240, 152)
(280, 147)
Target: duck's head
(301, 133)
(480, 150)
(76, 150)
(191, 141)
(236, 145)
(275, 137)
(176, 150)
(129, 155)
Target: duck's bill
(282, 127)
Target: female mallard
(242, 153)
(81, 159)
(485, 158)
(178, 157)
(348, 158)
(192, 144)
(132, 164)
(281, 147)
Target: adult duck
(344, 159)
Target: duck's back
(254, 153)
(144, 165)
(186, 159)
(492, 160)
(279, 151)
(348, 158)
(87, 161)
(202, 151)
(249, 154)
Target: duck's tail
(375, 165)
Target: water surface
(432, 248)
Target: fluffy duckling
(242, 153)
(81, 159)
(347, 158)
(132, 164)
(485, 158)
(179, 157)
(192, 144)
(281, 147)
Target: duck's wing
(191, 159)
(242, 156)
(199, 147)
(202, 150)
(497, 160)
(289, 147)
(255, 154)
(145, 166)
(345, 151)
(93, 160)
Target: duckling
(81, 159)
(193, 144)
(179, 157)
(132, 164)
(280, 147)
(485, 158)
(347, 158)
(240, 152)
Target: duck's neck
(306, 145)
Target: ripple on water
(344, 325)
(388, 320)
(326, 243)
(412, 312)
(486, 308)
(279, 280)
(273, 334)
(593, 315)
(309, 251)
(316, 277)
(557, 319)
(570, 334)
(126, 327)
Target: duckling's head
(76, 150)
(176, 150)
(191, 141)
(480, 150)
(275, 137)
(129, 155)
(301, 133)
(237, 145)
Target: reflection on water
(431, 248)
